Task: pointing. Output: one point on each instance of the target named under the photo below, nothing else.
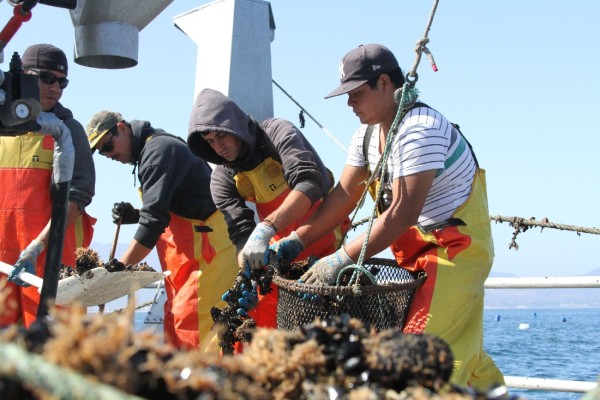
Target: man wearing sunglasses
(179, 217)
(26, 173)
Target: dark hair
(113, 131)
(396, 76)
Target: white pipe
(556, 385)
(26, 277)
(546, 282)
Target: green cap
(100, 124)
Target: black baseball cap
(45, 56)
(362, 64)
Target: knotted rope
(421, 47)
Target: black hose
(55, 247)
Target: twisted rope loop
(421, 47)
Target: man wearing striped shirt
(432, 212)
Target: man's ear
(123, 129)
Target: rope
(421, 47)
(544, 223)
(311, 117)
(522, 224)
(34, 371)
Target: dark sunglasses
(49, 78)
(108, 146)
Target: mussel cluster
(336, 358)
(234, 328)
(87, 259)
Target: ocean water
(558, 344)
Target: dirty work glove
(326, 270)
(126, 212)
(248, 301)
(255, 250)
(26, 262)
(288, 247)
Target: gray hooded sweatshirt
(303, 169)
(83, 182)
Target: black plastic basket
(380, 305)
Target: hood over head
(213, 111)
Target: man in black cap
(432, 210)
(178, 217)
(26, 172)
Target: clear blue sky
(519, 77)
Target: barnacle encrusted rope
(61, 383)
(522, 224)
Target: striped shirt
(425, 141)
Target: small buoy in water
(497, 317)
(523, 326)
(564, 319)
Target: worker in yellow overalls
(433, 212)
(26, 170)
(179, 217)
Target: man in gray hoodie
(270, 164)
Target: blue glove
(248, 301)
(26, 262)
(255, 251)
(288, 247)
(326, 270)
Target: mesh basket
(380, 306)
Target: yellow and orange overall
(25, 209)
(266, 186)
(457, 260)
(203, 266)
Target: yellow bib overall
(457, 260)
(25, 209)
(266, 187)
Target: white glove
(26, 261)
(255, 251)
(326, 270)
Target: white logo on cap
(376, 67)
(341, 67)
(61, 67)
